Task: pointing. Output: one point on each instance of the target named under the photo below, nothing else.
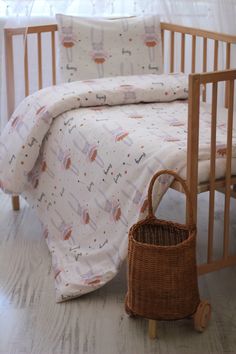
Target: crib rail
(220, 41)
(169, 56)
(195, 81)
(10, 33)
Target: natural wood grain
(26, 66)
(10, 83)
(224, 75)
(193, 54)
(172, 51)
(228, 169)
(182, 67)
(152, 329)
(204, 65)
(53, 58)
(163, 44)
(228, 60)
(40, 76)
(216, 49)
(212, 174)
(199, 32)
(193, 140)
(15, 202)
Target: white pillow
(93, 48)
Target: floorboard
(31, 322)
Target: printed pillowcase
(93, 48)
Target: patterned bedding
(82, 154)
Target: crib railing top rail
(224, 37)
(213, 77)
(164, 26)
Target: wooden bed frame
(169, 32)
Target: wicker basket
(162, 272)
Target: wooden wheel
(202, 316)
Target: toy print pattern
(86, 171)
(96, 48)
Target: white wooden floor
(31, 321)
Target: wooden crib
(177, 38)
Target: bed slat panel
(182, 53)
(53, 58)
(26, 66)
(172, 51)
(193, 141)
(228, 168)
(216, 49)
(227, 67)
(212, 174)
(193, 54)
(40, 77)
(10, 83)
(163, 44)
(204, 65)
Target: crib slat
(212, 175)
(163, 44)
(204, 65)
(228, 169)
(193, 53)
(10, 82)
(40, 81)
(228, 53)
(26, 66)
(193, 141)
(182, 52)
(172, 51)
(216, 47)
(53, 58)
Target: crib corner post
(15, 202)
(193, 142)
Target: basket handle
(183, 184)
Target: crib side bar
(216, 50)
(182, 67)
(228, 169)
(193, 140)
(212, 174)
(10, 84)
(40, 75)
(26, 66)
(53, 48)
(204, 65)
(223, 37)
(172, 52)
(195, 81)
(228, 60)
(193, 54)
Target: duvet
(82, 154)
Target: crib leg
(152, 329)
(15, 202)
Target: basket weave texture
(162, 272)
